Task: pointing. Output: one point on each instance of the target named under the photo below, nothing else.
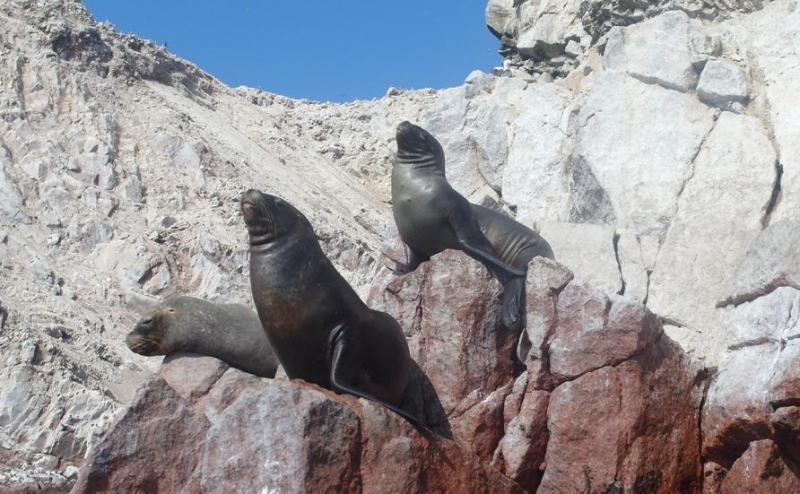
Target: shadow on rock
(422, 400)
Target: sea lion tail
(341, 383)
(337, 385)
(513, 297)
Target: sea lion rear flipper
(493, 264)
(341, 379)
(513, 299)
(475, 244)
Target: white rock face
(639, 160)
(499, 16)
(588, 250)
(772, 261)
(543, 25)
(775, 45)
(551, 36)
(715, 224)
(768, 319)
(655, 52)
(534, 178)
(637, 259)
(721, 84)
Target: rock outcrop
(553, 36)
(200, 427)
(499, 430)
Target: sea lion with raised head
(229, 332)
(431, 217)
(319, 327)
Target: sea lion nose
(131, 340)
(248, 195)
(404, 126)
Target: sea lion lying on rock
(229, 332)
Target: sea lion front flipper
(413, 260)
(343, 375)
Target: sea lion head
(150, 335)
(415, 145)
(269, 218)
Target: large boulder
(600, 358)
(449, 309)
(239, 433)
(590, 360)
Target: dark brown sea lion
(229, 332)
(431, 217)
(319, 327)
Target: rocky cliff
(654, 145)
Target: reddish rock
(450, 311)
(248, 434)
(607, 361)
(713, 475)
(521, 452)
(154, 446)
(194, 376)
(607, 402)
(407, 463)
(283, 437)
(513, 402)
(631, 427)
(761, 469)
(594, 331)
(546, 280)
(481, 421)
(786, 424)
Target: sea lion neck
(260, 238)
(420, 161)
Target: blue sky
(326, 50)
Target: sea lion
(229, 332)
(319, 327)
(431, 217)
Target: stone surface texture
(248, 434)
(657, 144)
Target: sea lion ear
(279, 202)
